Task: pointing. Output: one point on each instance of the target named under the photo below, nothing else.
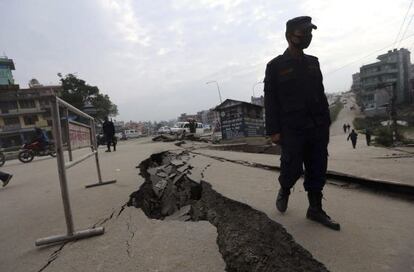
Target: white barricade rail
(77, 135)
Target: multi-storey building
(184, 117)
(392, 69)
(258, 100)
(21, 110)
(356, 83)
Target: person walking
(109, 132)
(345, 127)
(354, 137)
(297, 118)
(368, 136)
(5, 178)
(348, 127)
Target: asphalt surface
(376, 232)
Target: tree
(79, 94)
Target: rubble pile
(167, 187)
(179, 137)
(247, 239)
(165, 138)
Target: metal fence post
(57, 131)
(68, 134)
(98, 167)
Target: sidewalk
(376, 163)
(367, 161)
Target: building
(258, 100)
(208, 117)
(240, 119)
(392, 69)
(21, 110)
(356, 83)
(184, 117)
(6, 75)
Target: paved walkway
(394, 165)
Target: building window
(44, 102)
(30, 120)
(8, 105)
(27, 104)
(11, 121)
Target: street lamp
(254, 85)
(218, 88)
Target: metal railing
(71, 234)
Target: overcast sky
(154, 57)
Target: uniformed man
(109, 132)
(297, 118)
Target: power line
(354, 61)
(408, 25)
(401, 26)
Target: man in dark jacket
(368, 134)
(297, 118)
(109, 132)
(353, 136)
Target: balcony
(15, 112)
(378, 73)
(12, 127)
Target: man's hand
(275, 138)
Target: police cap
(302, 22)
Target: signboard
(79, 135)
(241, 121)
(231, 129)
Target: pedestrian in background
(368, 136)
(354, 137)
(109, 132)
(5, 178)
(297, 118)
(192, 126)
(348, 127)
(345, 128)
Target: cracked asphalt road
(377, 230)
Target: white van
(180, 127)
(131, 133)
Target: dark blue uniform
(297, 108)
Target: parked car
(184, 127)
(164, 130)
(131, 133)
(120, 135)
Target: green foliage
(384, 136)
(335, 109)
(78, 93)
(368, 122)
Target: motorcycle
(30, 150)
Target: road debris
(247, 239)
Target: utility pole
(392, 111)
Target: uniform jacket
(108, 128)
(294, 94)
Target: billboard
(79, 135)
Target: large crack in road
(247, 239)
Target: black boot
(282, 199)
(316, 213)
